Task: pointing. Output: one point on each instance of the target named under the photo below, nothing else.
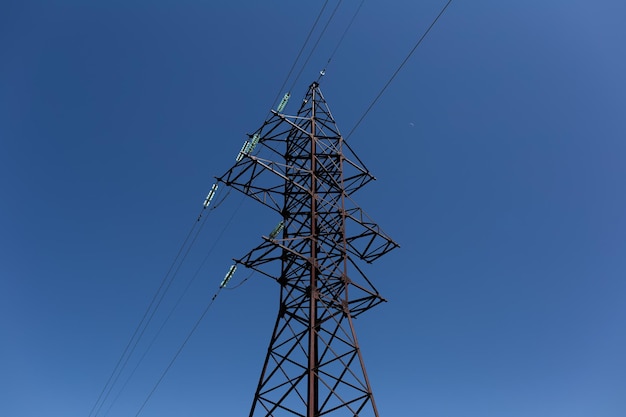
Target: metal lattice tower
(301, 167)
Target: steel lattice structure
(300, 166)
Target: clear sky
(500, 155)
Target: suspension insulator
(210, 196)
(229, 275)
(283, 102)
(242, 151)
(253, 142)
(279, 227)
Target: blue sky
(499, 152)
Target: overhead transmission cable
(173, 309)
(193, 329)
(212, 195)
(417, 44)
(150, 311)
(306, 41)
(222, 286)
(345, 32)
(243, 281)
(306, 61)
(154, 298)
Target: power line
(193, 278)
(243, 281)
(345, 32)
(399, 68)
(180, 349)
(280, 91)
(117, 365)
(306, 61)
(147, 323)
(148, 314)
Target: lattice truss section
(300, 166)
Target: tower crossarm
(262, 259)
(368, 241)
(256, 178)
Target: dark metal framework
(301, 167)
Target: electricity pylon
(300, 167)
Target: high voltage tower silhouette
(299, 166)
